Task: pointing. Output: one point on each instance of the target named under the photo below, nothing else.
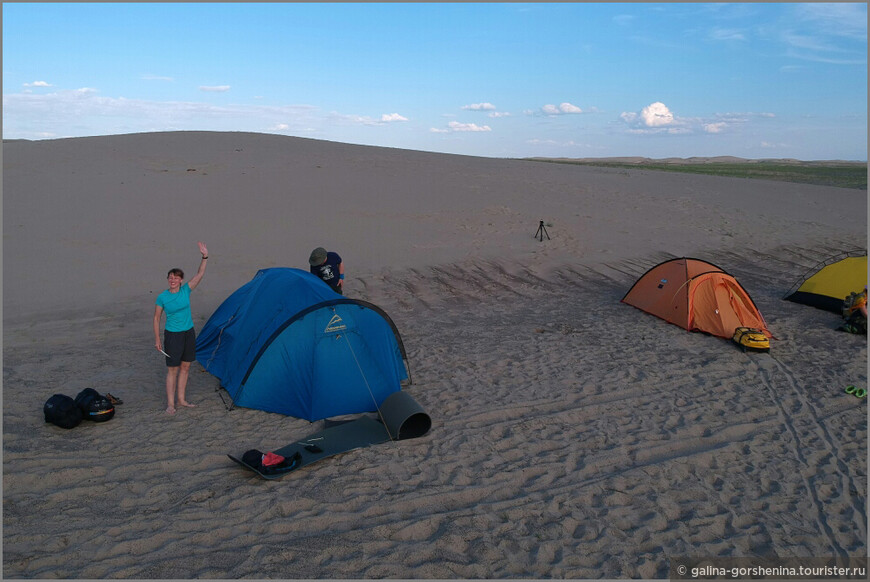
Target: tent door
(718, 306)
(711, 307)
(348, 378)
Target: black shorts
(180, 345)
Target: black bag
(288, 464)
(857, 323)
(61, 410)
(254, 458)
(94, 406)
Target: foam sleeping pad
(402, 417)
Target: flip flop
(858, 392)
(115, 401)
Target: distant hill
(637, 160)
(839, 173)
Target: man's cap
(317, 257)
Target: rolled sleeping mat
(404, 417)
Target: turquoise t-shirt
(177, 308)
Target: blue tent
(285, 342)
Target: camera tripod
(542, 231)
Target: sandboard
(292, 466)
(402, 417)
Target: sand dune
(573, 436)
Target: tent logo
(335, 324)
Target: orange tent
(697, 296)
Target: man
(329, 267)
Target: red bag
(271, 459)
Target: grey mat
(402, 417)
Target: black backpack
(61, 410)
(94, 406)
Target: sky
(505, 80)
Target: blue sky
(768, 80)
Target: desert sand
(572, 436)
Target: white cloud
(38, 84)
(497, 114)
(809, 42)
(560, 109)
(838, 19)
(657, 119)
(479, 107)
(656, 115)
(72, 113)
(538, 141)
(654, 118)
(457, 126)
(366, 119)
(214, 88)
(562, 144)
(727, 34)
(715, 127)
(826, 32)
(353, 119)
(732, 118)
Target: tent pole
(374, 401)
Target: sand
(572, 436)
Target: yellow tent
(828, 284)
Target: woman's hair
(175, 271)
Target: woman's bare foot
(170, 410)
(187, 404)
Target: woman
(179, 338)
